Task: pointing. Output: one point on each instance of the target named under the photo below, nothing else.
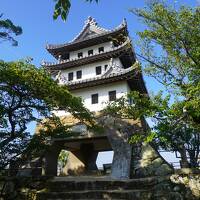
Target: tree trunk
(184, 162)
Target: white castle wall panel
(89, 70)
(107, 47)
(121, 88)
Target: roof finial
(91, 20)
(124, 22)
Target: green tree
(171, 51)
(8, 30)
(171, 54)
(62, 8)
(29, 94)
(173, 129)
(62, 160)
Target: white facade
(95, 98)
(120, 87)
(89, 70)
(107, 47)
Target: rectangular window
(66, 56)
(70, 76)
(90, 52)
(98, 70)
(79, 74)
(101, 49)
(112, 95)
(95, 98)
(105, 67)
(80, 54)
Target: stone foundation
(129, 160)
(148, 162)
(171, 187)
(86, 145)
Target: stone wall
(119, 131)
(148, 162)
(188, 178)
(171, 187)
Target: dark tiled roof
(77, 39)
(131, 74)
(114, 52)
(90, 35)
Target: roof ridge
(57, 62)
(87, 23)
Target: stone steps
(96, 194)
(67, 185)
(65, 188)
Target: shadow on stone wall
(149, 162)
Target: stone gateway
(99, 65)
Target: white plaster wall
(107, 47)
(89, 70)
(121, 88)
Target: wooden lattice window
(98, 70)
(66, 56)
(95, 98)
(70, 76)
(101, 49)
(79, 74)
(80, 54)
(90, 52)
(112, 95)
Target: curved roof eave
(63, 64)
(77, 39)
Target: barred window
(98, 70)
(95, 98)
(66, 56)
(79, 74)
(112, 95)
(80, 54)
(90, 52)
(101, 49)
(70, 76)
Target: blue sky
(35, 17)
(39, 28)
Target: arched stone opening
(84, 148)
(83, 155)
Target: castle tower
(98, 66)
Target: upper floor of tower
(94, 57)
